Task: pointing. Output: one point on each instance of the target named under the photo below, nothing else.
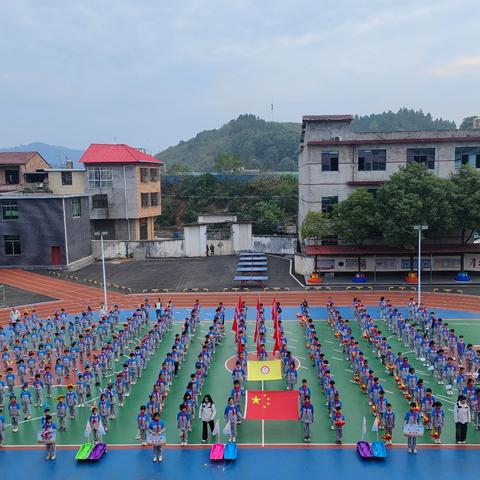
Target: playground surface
(260, 443)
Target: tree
(465, 201)
(354, 218)
(467, 122)
(177, 168)
(228, 163)
(315, 225)
(412, 196)
(270, 217)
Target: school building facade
(333, 161)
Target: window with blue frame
(467, 156)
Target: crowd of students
(65, 360)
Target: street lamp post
(101, 235)
(420, 229)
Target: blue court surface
(275, 463)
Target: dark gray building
(41, 230)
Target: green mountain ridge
(272, 146)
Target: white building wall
(195, 240)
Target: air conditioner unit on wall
(337, 139)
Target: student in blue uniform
(142, 424)
(412, 417)
(388, 421)
(183, 424)
(156, 427)
(307, 418)
(48, 434)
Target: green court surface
(219, 384)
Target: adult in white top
(462, 417)
(207, 415)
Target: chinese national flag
(271, 405)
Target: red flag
(235, 321)
(240, 303)
(271, 405)
(277, 345)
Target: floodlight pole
(105, 300)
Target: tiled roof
(16, 158)
(98, 153)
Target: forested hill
(273, 145)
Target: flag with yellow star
(267, 370)
(271, 405)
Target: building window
(76, 207)
(154, 174)
(66, 178)
(100, 201)
(467, 156)
(10, 210)
(144, 175)
(12, 245)
(154, 199)
(12, 177)
(100, 177)
(329, 161)
(373, 192)
(328, 203)
(422, 155)
(369, 160)
(145, 200)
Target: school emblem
(264, 369)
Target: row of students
(322, 368)
(427, 407)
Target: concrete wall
(78, 231)
(116, 194)
(216, 218)
(241, 237)
(55, 183)
(139, 249)
(195, 240)
(40, 226)
(282, 245)
(303, 264)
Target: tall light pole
(420, 229)
(101, 235)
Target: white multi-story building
(333, 160)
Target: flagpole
(263, 427)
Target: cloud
(458, 66)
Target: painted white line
(339, 359)
(294, 277)
(329, 341)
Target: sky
(153, 72)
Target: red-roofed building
(124, 187)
